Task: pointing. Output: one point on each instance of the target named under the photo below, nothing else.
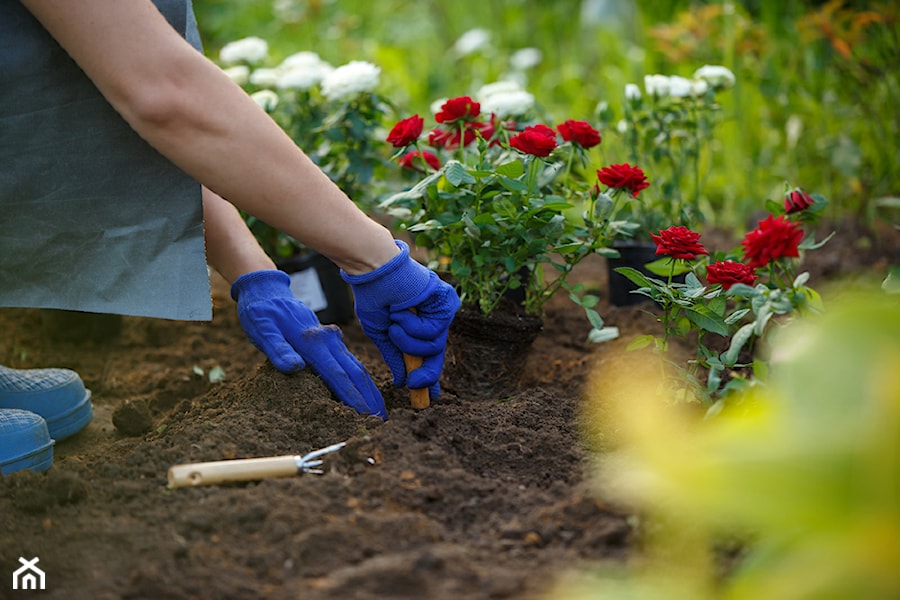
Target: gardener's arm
(189, 110)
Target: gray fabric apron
(91, 217)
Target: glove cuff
(269, 283)
(396, 282)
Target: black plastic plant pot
(635, 255)
(317, 282)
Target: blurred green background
(814, 103)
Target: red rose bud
(797, 200)
(729, 272)
(679, 242)
(456, 109)
(416, 160)
(537, 140)
(406, 131)
(579, 132)
(774, 238)
(625, 177)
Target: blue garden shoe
(24, 442)
(57, 395)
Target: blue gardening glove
(384, 298)
(289, 333)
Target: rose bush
(746, 288)
(503, 207)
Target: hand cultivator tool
(248, 469)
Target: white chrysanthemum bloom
(699, 87)
(250, 50)
(525, 58)
(497, 87)
(240, 74)
(622, 126)
(265, 77)
(301, 78)
(632, 92)
(717, 76)
(305, 58)
(508, 104)
(656, 85)
(350, 79)
(472, 41)
(680, 87)
(267, 99)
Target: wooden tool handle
(417, 398)
(224, 471)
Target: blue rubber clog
(25, 442)
(57, 395)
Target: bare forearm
(185, 107)
(231, 248)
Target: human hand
(290, 335)
(384, 298)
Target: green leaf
(738, 341)
(605, 334)
(641, 341)
(704, 318)
(456, 174)
(634, 276)
(594, 317)
(513, 169)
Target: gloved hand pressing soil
(290, 335)
(385, 299)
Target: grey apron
(91, 217)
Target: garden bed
(469, 498)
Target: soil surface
(471, 498)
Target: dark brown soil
(471, 498)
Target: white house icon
(28, 576)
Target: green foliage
(798, 479)
(813, 101)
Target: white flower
(472, 41)
(656, 85)
(498, 87)
(239, 74)
(264, 77)
(250, 50)
(717, 76)
(267, 99)
(508, 104)
(302, 59)
(352, 78)
(622, 126)
(632, 92)
(525, 58)
(680, 87)
(699, 87)
(301, 78)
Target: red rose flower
(624, 176)
(417, 158)
(679, 242)
(457, 109)
(729, 272)
(449, 138)
(537, 140)
(774, 238)
(406, 131)
(579, 132)
(797, 200)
